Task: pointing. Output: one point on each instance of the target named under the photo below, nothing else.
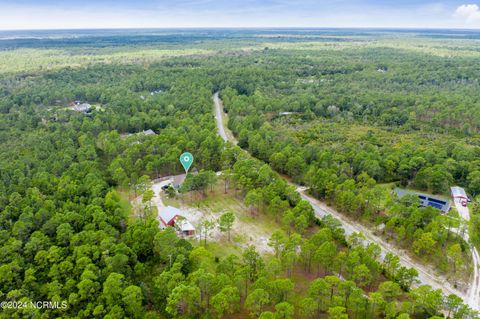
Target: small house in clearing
(149, 132)
(171, 216)
(82, 107)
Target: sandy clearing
(242, 234)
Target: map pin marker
(186, 159)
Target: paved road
(426, 275)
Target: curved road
(426, 274)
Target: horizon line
(245, 28)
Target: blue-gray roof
(426, 200)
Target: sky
(74, 14)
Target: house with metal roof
(149, 132)
(171, 216)
(167, 216)
(82, 107)
(184, 227)
(425, 199)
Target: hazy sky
(56, 14)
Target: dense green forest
(361, 117)
(347, 130)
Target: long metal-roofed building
(425, 199)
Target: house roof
(168, 213)
(425, 199)
(184, 225)
(149, 132)
(458, 192)
(179, 179)
(82, 107)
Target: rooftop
(168, 213)
(178, 180)
(425, 199)
(184, 225)
(458, 192)
(82, 107)
(149, 132)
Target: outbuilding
(178, 180)
(184, 227)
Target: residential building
(426, 200)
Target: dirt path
(473, 296)
(157, 189)
(224, 132)
(218, 117)
(426, 275)
(463, 211)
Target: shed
(185, 227)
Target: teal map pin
(186, 159)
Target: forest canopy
(347, 113)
